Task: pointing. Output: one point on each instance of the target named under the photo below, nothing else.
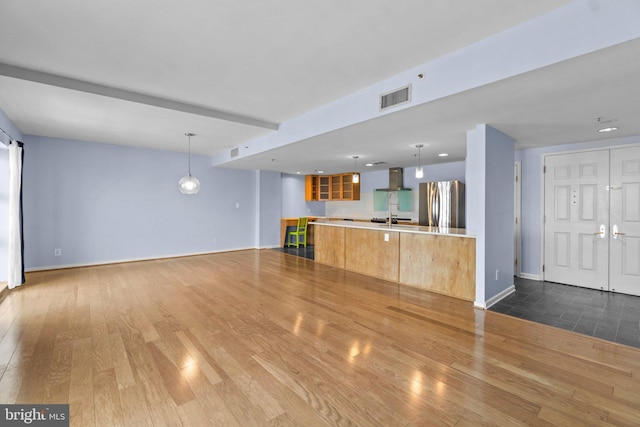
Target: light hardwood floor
(256, 338)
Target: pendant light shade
(419, 171)
(356, 175)
(189, 184)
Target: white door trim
(518, 218)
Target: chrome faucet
(397, 205)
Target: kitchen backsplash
(363, 209)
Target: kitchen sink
(404, 227)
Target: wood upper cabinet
(311, 187)
(324, 187)
(350, 189)
(336, 187)
(331, 187)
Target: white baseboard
(496, 298)
(270, 247)
(480, 305)
(122, 261)
(531, 276)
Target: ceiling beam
(126, 95)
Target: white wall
(105, 203)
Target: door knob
(615, 232)
(603, 231)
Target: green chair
(300, 234)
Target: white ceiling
(134, 72)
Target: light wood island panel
(329, 246)
(418, 257)
(367, 252)
(442, 264)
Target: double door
(592, 219)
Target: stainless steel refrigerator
(441, 204)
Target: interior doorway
(592, 219)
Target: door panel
(625, 220)
(588, 205)
(576, 206)
(587, 251)
(563, 203)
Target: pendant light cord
(189, 134)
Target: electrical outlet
(57, 252)
(386, 237)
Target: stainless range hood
(396, 180)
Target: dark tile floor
(303, 252)
(605, 315)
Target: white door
(625, 220)
(592, 219)
(576, 219)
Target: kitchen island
(434, 259)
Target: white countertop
(444, 231)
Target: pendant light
(189, 184)
(356, 175)
(419, 171)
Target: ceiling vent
(235, 152)
(397, 97)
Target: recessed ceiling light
(443, 154)
(376, 164)
(298, 172)
(320, 171)
(611, 129)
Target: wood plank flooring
(262, 338)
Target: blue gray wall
(270, 208)
(293, 203)
(490, 214)
(436, 172)
(103, 203)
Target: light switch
(386, 237)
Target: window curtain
(16, 241)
